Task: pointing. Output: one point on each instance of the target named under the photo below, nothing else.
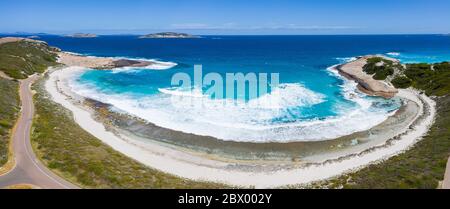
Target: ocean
(313, 102)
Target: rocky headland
(354, 70)
(71, 59)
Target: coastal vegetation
(424, 164)
(432, 79)
(9, 103)
(380, 68)
(73, 153)
(20, 59)
(401, 82)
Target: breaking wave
(268, 118)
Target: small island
(33, 37)
(169, 35)
(82, 35)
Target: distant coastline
(169, 35)
(81, 35)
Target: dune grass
(23, 58)
(81, 158)
(9, 110)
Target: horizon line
(136, 34)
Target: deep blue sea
(312, 101)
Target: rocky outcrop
(130, 63)
(71, 59)
(354, 71)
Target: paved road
(28, 169)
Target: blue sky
(227, 16)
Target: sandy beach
(199, 166)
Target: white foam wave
(243, 121)
(180, 92)
(160, 65)
(394, 54)
(288, 95)
(346, 59)
(349, 88)
(125, 70)
(284, 96)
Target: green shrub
(9, 108)
(434, 81)
(380, 72)
(5, 123)
(401, 82)
(383, 73)
(21, 59)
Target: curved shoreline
(181, 163)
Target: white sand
(175, 162)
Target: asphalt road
(28, 168)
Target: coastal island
(82, 35)
(169, 35)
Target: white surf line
(158, 160)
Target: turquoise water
(311, 103)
